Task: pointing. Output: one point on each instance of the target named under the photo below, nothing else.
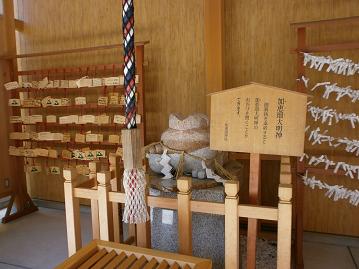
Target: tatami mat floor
(38, 241)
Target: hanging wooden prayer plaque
(51, 119)
(79, 138)
(14, 102)
(102, 101)
(258, 119)
(81, 100)
(54, 170)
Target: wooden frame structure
(18, 194)
(230, 209)
(25, 204)
(300, 167)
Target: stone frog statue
(189, 135)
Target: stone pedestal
(208, 230)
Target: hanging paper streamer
(327, 115)
(316, 137)
(304, 80)
(339, 66)
(129, 63)
(167, 168)
(339, 91)
(349, 169)
(334, 192)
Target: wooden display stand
(262, 120)
(300, 167)
(77, 139)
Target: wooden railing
(107, 198)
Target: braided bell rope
(133, 179)
(129, 69)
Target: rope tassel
(135, 205)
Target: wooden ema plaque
(258, 119)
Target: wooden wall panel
(4, 159)
(174, 75)
(5, 173)
(258, 40)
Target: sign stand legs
(254, 198)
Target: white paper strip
(349, 169)
(334, 192)
(338, 66)
(326, 115)
(316, 137)
(339, 91)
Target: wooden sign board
(258, 119)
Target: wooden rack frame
(108, 229)
(302, 46)
(24, 204)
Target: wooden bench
(108, 255)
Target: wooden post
(72, 210)
(140, 106)
(115, 186)
(94, 167)
(254, 198)
(143, 235)
(144, 229)
(231, 220)
(184, 185)
(284, 240)
(214, 46)
(20, 197)
(299, 188)
(105, 209)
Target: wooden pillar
(9, 16)
(231, 230)
(115, 187)
(104, 204)
(94, 167)
(144, 229)
(214, 46)
(20, 197)
(140, 57)
(184, 185)
(299, 188)
(72, 210)
(254, 198)
(284, 241)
